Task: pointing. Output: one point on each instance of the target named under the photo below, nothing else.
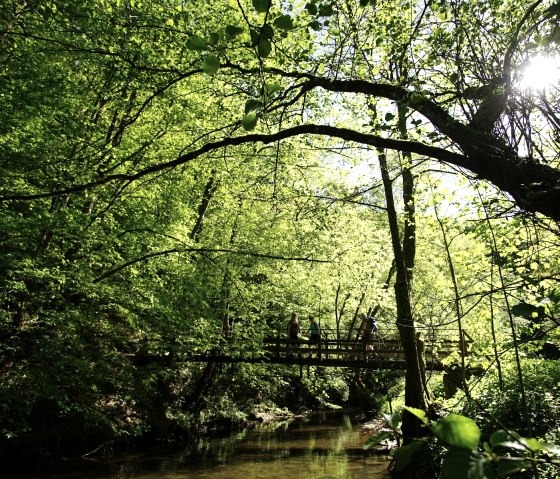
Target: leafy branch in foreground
(503, 454)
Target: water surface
(324, 447)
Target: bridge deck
(379, 353)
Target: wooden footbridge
(384, 351)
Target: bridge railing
(385, 348)
(385, 344)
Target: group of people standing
(294, 330)
(366, 333)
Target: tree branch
(534, 186)
(324, 130)
(202, 250)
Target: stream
(324, 446)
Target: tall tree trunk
(417, 394)
(339, 312)
(197, 399)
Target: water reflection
(323, 448)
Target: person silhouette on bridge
(293, 333)
(368, 329)
(315, 334)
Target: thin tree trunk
(336, 318)
(493, 326)
(458, 306)
(416, 393)
(512, 327)
(226, 284)
(355, 316)
(203, 207)
(197, 398)
(341, 313)
(371, 311)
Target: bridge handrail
(334, 342)
(386, 332)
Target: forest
(177, 177)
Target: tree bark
(416, 393)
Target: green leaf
(267, 32)
(554, 9)
(326, 10)
(249, 121)
(460, 463)
(501, 438)
(315, 25)
(555, 36)
(284, 22)
(377, 438)
(214, 38)
(533, 444)
(211, 64)
(404, 454)
(418, 413)
(389, 116)
(524, 310)
(264, 47)
(195, 42)
(251, 105)
(392, 420)
(416, 99)
(364, 3)
(233, 31)
(255, 36)
(272, 87)
(311, 8)
(457, 430)
(261, 6)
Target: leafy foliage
(503, 455)
(139, 224)
(541, 381)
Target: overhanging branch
(309, 129)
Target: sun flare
(541, 71)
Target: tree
(484, 137)
(105, 108)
